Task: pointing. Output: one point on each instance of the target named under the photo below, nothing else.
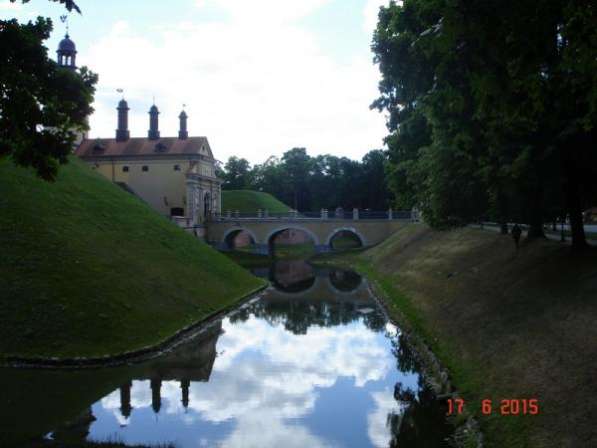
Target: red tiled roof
(109, 147)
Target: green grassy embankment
(506, 324)
(89, 270)
(248, 201)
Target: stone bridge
(263, 230)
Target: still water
(312, 363)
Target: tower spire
(154, 132)
(183, 133)
(122, 132)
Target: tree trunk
(536, 218)
(503, 211)
(577, 228)
(573, 196)
(536, 228)
(504, 228)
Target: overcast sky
(258, 77)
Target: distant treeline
(492, 109)
(311, 183)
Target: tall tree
(297, 165)
(42, 106)
(492, 108)
(269, 177)
(237, 174)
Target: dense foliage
(312, 183)
(42, 106)
(492, 109)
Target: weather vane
(121, 91)
(64, 19)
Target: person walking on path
(516, 232)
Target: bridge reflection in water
(297, 277)
(313, 362)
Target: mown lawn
(88, 270)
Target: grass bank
(507, 324)
(248, 201)
(89, 270)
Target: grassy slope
(247, 201)
(87, 269)
(506, 324)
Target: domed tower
(67, 53)
(67, 56)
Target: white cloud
(378, 427)
(266, 380)
(256, 432)
(266, 11)
(8, 6)
(256, 84)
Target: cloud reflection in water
(268, 387)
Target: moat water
(313, 362)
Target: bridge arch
(352, 230)
(230, 234)
(291, 226)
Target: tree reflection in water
(422, 422)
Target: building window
(177, 211)
(176, 167)
(125, 169)
(145, 168)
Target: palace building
(176, 176)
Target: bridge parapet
(324, 214)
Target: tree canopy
(312, 183)
(491, 108)
(42, 105)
